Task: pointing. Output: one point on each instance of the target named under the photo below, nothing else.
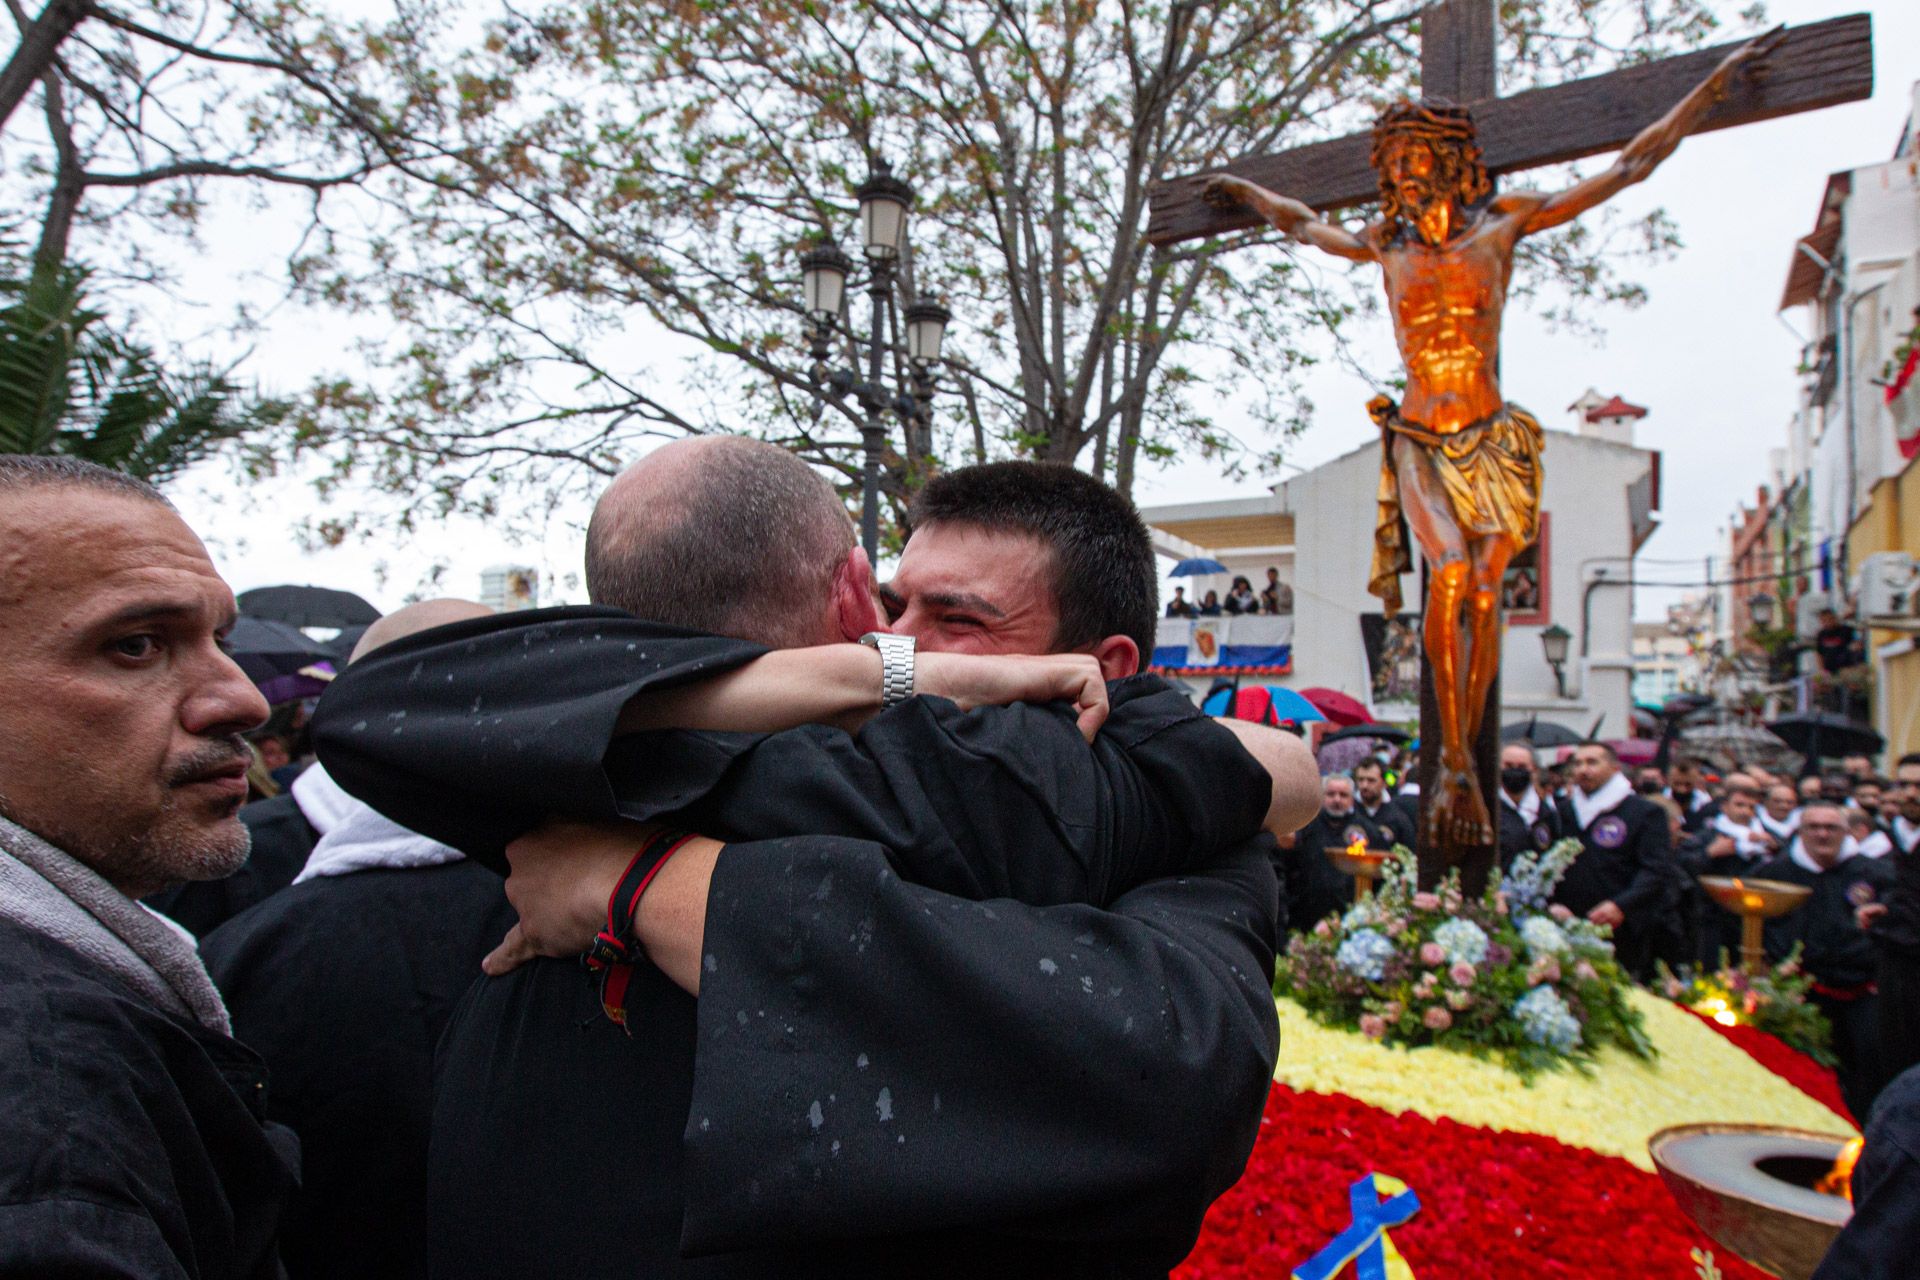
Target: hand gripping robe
(893, 1076)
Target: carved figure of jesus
(1459, 463)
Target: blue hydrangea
(1463, 940)
(1365, 953)
(1545, 1019)
(1358, 916)
(1543, 937)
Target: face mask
(1514, 781)
(1651, 788)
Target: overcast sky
(1707, 355)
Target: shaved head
(721, 534)
(424, 616)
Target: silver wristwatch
(896, 666)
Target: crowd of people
(1848, 835)
(1276, 597)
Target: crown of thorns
(1431, 121)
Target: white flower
(1463, 940)
(1542, 936)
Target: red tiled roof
(1615, 408)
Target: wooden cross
(1819, 65)
(1814, 66)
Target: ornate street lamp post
(884, 202)
(1553, 643)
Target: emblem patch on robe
(1353, 833)
(1609, 832)
(1541, 836)
(1860, 894)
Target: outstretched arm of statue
(1639, 158)
(1288, 214)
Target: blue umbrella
(1199, 564)
(1288, 705)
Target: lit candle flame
(1358, 849)
(1838, 1181)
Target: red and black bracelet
(615, 950)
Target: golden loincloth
(1491, 474)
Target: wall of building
(1333, 511)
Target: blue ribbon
(1362, 1241)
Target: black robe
(132, 1142)
(1626, 858)
(1105, 1122)
(1517, 836)
(282, 841)
(1393, 820)
(343, 984)
(1883, 1238)
(1315, 888)
(1836, 951)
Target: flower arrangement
(1507, 976)
(1775, 1002)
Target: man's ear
(855, 610)
(1119, 657)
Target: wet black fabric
(1315, 889)
(1626, 858)
(283, 839)
(1883, 1238)
(1899, 930)
(998, 802)
(878, 1080)
(132, 1142)
(343, 984)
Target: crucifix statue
(1460, 465)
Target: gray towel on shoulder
(55, 894)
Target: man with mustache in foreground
(132, 1139)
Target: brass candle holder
(1757, 1190)
(1754, 901)
(1360, 862)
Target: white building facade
(1599, 505)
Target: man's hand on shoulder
(562, 876)
(972, 680)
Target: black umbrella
(1541, 733)
(1822, 733)
(1384, 732)
(308, 606)
(265, 649)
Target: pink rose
(1459, 1001)
(1372, 1026)
(1396, 927)
(1437, 1019)
(1586, 973)
(1392, 1010)
(1545, 969)
(1560, 913)
(1432, 953)
(1426, 902)
(1323, 930)
(1461, 973)
(1424, 988)
(1500, 903)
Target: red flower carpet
(1493, 1204)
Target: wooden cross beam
(1818, 65)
